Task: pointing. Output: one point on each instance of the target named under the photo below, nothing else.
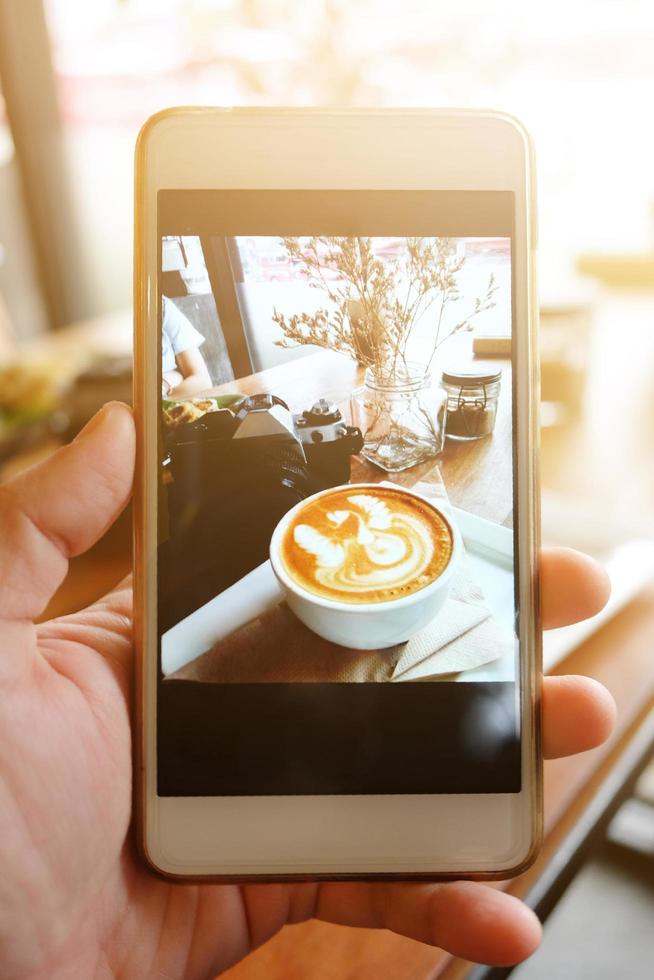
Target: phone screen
(336, 569)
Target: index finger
(467, 919)
(573, 587)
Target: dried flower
(374, 304)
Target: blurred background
(580, 75)
(78, 79)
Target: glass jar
(401, 418)
(472, 396)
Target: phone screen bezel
(480, 835)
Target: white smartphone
(337, 498)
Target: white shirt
(178, 334)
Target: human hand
(169, 381)
(75, 901)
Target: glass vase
(402, 418)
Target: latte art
(366, 545)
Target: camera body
(234, 474)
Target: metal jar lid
(473, 376)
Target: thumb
(58, 509)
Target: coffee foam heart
(368, 545)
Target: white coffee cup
(365, 625)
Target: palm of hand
(75, 901)
(80, 895)
(64, 722)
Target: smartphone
(336, 510)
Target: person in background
(183, 371)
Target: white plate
(489, 552)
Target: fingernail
(93, 423)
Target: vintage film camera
(233, 475)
